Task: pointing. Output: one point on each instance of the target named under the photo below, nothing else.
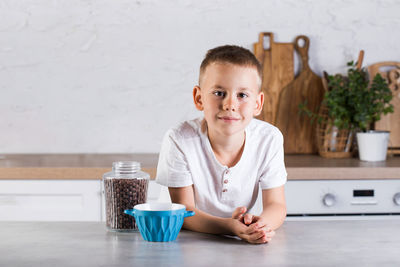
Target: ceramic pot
(372, 145)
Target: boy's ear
(259, 104)
(197, 98)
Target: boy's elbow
(282, 214)
(284, 211)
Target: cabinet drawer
(50, 200)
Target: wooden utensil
(278, 71)
(391, 122)
(259, 48)
(298, 132)
(360, 59)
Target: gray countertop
(297, 243)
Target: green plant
(351, 102)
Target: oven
(343, 199)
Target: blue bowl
(159, 222)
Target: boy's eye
(219, 93)
(242, 95)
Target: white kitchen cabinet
(60, 200)
(50, 200)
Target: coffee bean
(122, 194)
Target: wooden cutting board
(278, 71)
(390, 122)
(297, 130)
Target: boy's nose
(229, 104)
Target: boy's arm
(274, 207)
(201, 222)
(206, 223)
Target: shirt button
(227, 171)
(225, 190)
(226, 181)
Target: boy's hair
(230, 54)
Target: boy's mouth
(228, 118)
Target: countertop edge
(294, 173)
(59, 173)
(341, 173)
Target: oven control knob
(329, 200)
(396, 198)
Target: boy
(216, 164)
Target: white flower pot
(372, 145)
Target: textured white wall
(103, 76)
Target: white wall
(103, 76)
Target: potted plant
(354, 103)
(369, 100)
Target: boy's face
(229, 96)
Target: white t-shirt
(186, 158)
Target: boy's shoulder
(263, 129)
(187, 129)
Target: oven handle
(372, 202)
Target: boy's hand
(251, 228)
(239, 213)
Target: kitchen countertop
(68, 166)
(296, 243)
(93, 166)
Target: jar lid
(126, 166)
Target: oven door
(343, 199)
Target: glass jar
(124, 187)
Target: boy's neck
(227, 149)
